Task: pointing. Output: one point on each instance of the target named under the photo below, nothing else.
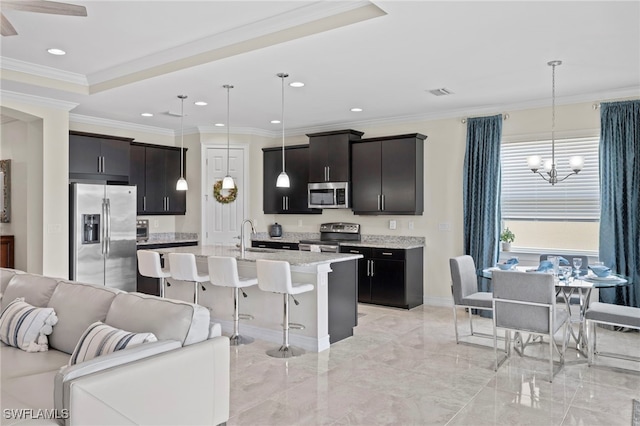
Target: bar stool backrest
(183, 266)
(274, 276)
(223, 271)
(149, 264)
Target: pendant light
(283, 178)
(227, 182)
(576, 162)
(181, 184)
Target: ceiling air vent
(441, 92)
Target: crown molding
(122, 125)
(43, 71)
(37, 100)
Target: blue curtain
(620, 197)
(481, 191)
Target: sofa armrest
(189, 385)
(61, 400)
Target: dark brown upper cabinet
(330, 155)
(292, 200)
(387, 175)
(98, 157)
(155, 170)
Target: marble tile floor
(404, 368)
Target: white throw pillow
(26, 327)
(101, 339)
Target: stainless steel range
(331, 236)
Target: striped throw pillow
(101, 339)
(26, 327)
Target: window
(564, 216)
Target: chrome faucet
(253, 231)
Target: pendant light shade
(181, 184)
(283, 178)
(227, 182)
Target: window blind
(526, 196)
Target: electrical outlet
(411, 224)
(299, 222)
(444, 227)
(156, 223)
(392, 224)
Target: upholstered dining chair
(526, 302)
(465, 291)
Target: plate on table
(607, 278)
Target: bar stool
(223, 272)
(275, 276)
(149, 265)
(183, 268)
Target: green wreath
(217, 192)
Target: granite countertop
(169, 238)
(379, 241)
(295, 258)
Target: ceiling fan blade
(5, 27)
(43, 6)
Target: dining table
(580, 286)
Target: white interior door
(223, 220)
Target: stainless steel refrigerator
(103, 235)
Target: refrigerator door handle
(108, 232)
(103, 231)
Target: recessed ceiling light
(57, 52)
(200, 103)
(356, 109)
(275, 121)
(146, 114)
(219, 124)
(296, 84)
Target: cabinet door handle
(372, 272)
(354, 251)
(387, 253)
(368, 268)
(104, 168)
(328, 173)
(144, 203)
(287, 199)
(99, 164)
(168, 204)
(286, 247)
(379, 204)
(262, 245)
(382, 202)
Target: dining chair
(526, 302)
(465, 291)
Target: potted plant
(507, 237)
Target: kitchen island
(329, 312)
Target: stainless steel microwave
(329, 195)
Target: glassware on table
(565, 272)
(577, 265)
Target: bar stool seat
(275, 276)
(183, 268)
(150, 265)
(223, 272)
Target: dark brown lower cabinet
(389, 277)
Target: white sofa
(183, 378)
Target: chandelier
(535, 161)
